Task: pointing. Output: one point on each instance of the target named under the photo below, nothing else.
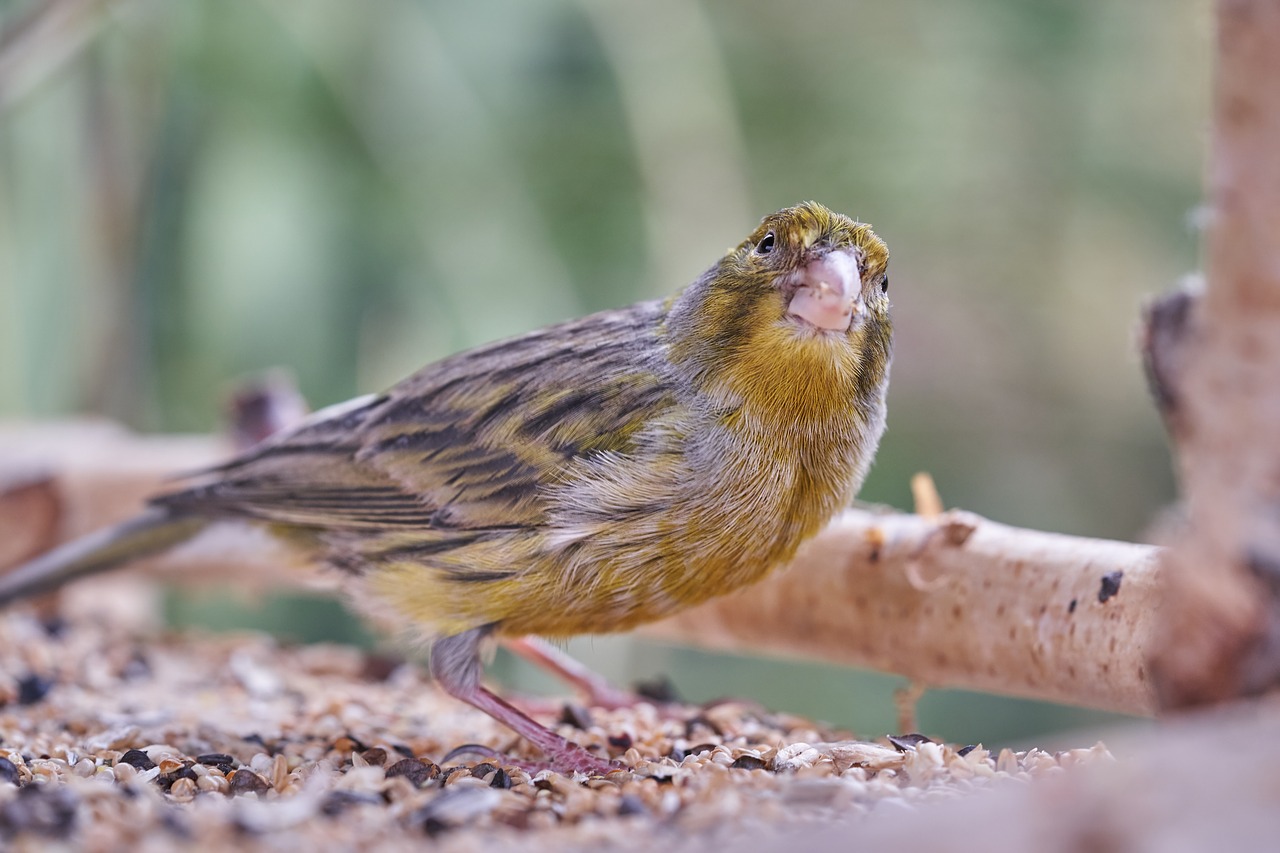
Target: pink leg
(455, 664)
(597, 689)
(564, 756)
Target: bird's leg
(455, 665)
(594, 687)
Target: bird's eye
(765, 246)
(884, 283)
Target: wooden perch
(953, 600)
(957, 601)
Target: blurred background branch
(39, 40)
(1221, 631)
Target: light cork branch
(948, 600)
(954, 601)
(1216, 359)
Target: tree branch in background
(1218, 360)
(41, 41)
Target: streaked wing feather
(313, 487)
(468, 443)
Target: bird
(587, 477)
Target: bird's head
(805, 293)
(819, 269)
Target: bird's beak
(829, 292)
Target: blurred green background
(195, 191)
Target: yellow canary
(582, 478)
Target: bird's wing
(469, 443)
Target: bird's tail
(154, 530)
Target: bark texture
(1220, 634)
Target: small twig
(905, 701)
(924, 493)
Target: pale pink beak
(830, 291)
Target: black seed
(403, 750)
(622, 741)
(700, 748)
(1110, 586)
(433, 826)
(482, 769)
(376, 756)
(174, 824)
(449, 772)
(356, 745)
(214, 758)
(136, 668)
(166, 780)
(657, 689)
(138, 759)
(965, 750)
(749, 762)
(500, 779)
(336, 802)
(1071, 608)
(448, 809)
(908, 741)
(630, 804)
(33, 688)
(39, 809)
(54, 626)
(676, 754)
(702, 720)
(543, 785)
(416, 771)
(245, 781)
(8, 771)
(575, 715)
